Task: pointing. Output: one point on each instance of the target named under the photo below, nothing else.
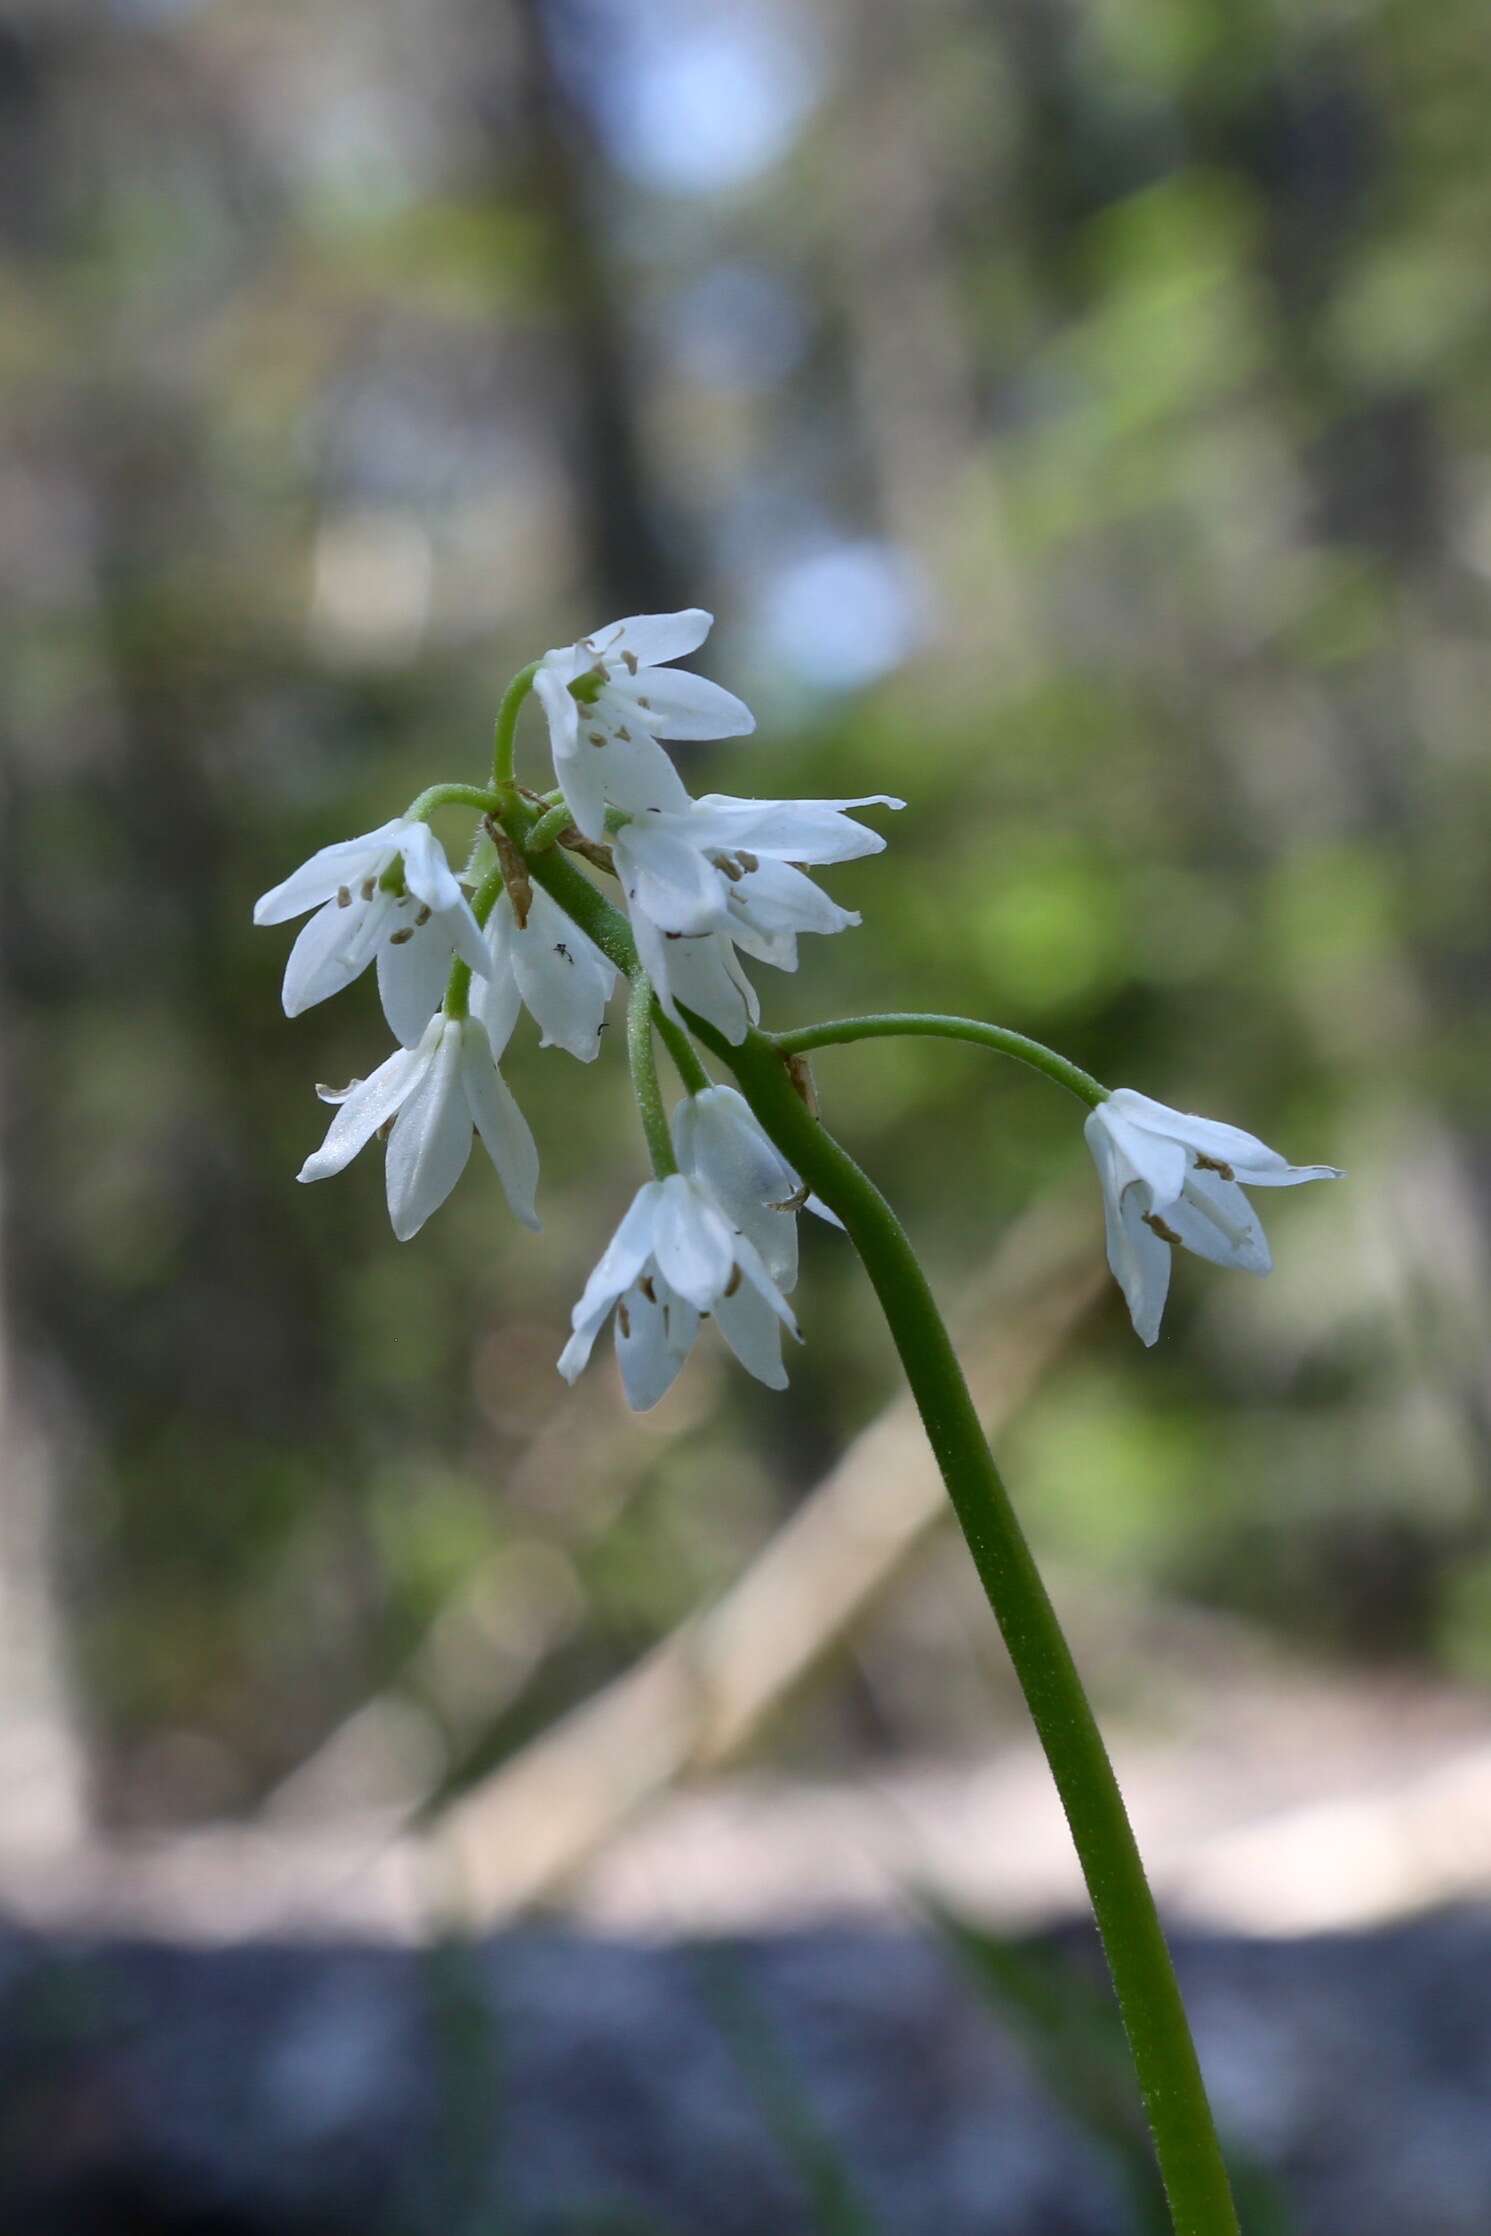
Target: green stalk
(896, 1023)
(1159, 2035)
(643, 1060)
(507, 723)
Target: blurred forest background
(1078, 413)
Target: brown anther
(747, 861)
(596, 737)
(344, 896)
(624, 733)
(800, 1072)
(795, 1201)
(424, 915)
(1215, 1164)
(623, 1318)
(1153, 1220)
(397, 939)
(647, 1289)
(728, 864)
(734, 1281)
(369, 887)
(644, 702)
(629, 662)
(386, 1128)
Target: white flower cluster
(705, 882)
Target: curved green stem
(1189, 2155)
(507, 723)
(643, 1059)
(451, 795)
(683, 1052)
(894, 1024)
(547, 829)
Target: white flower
(605, 745)
(675, 1256)
(1170, 1178)
(719, 1141)
(723, 870)
(435, 1094)
(413, 933)
(550, 965)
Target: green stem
(895, 1023)
(507, 723)
(458, 985)
(1154, 2017)
(683, 1052)
(643, 1059)
(547, 829)
(451, 795)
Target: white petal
(347, 863)
(1141, 1266)
(793, 830)
(754, 1334)
(427, 873)
(412, 975)
(1156, 1160)
(622, 1260)
(635, 771)
(777, 899)
(749, 1260)
(654, 1336)
(367, 1106)
(692, 1242)
(667, 878)
(1252, 1162)
(705, 975)
(649, 637)
(1214, 1218)
(563, 977)
(431, 1138)
(673, 704)
(320, 963)
(504, 1130)
(561, 708)
(497, 1004)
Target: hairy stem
(896, 1023)
(643, 1059)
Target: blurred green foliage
(343, 374)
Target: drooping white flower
(412, 932)
(435, 1094)
(675, 1256)
(1169, 1178)
(551, 966)
(723, 871)
(719, 1141)
(605, 743)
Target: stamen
(647, 1289)
(1200, 1201)
(795, 1201)
(630, 663)
(623, 1318)
(344, 896)
(736, 1277)
(425, 913)
(596, 737)
(397, 939)
(1215, 1164)
(1153, 1219)
(747, 861)
(369, 887)
(730, 867)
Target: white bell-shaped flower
(413, 932)
(550, 966)
(676, 1256)
(605, 742)
(1169, 1178)
(724, 871)
(436, 1095)
(719, 1141)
